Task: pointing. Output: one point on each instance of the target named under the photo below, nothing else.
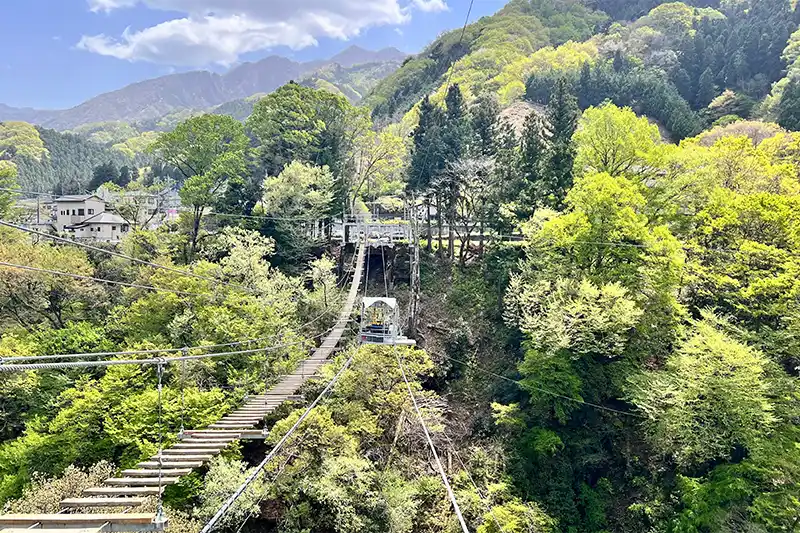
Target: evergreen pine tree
(683, 83)
(706, 91)
(585, 86)
(124, 176)
(789, 107)
(533, 157)
(562, 114)
(485, 125)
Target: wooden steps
(76, 503)
(166, 472)
(39, 530)
(199, 445)
(167, 460)
(122, 491)
(140, 481)
(110, 522)
(176, 464)
(172, 452)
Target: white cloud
(220, 31)
(399, 32)
(108, 5)
(429, 6)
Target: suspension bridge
(195, 447)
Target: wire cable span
(99, 280)
(123, 256)
(439, 466)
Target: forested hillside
(50, 161)
(607, 219)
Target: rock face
(154, 98)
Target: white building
(72, 210)
(104, 226)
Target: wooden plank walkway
(195, 448)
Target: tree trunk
(480, 241)
(451, 235)
(439, 223)
(198, 213)
(429, 245)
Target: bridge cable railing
(125, 256)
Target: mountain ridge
(198, 89)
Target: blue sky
(58, 53)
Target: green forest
(606, 199)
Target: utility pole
(415, 281)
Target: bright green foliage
(517, 517)
(107, 133)
(21, 138)
(30, 298)
(616, 141)
(578, 317)
(8, 182)
(209, 150)
(713, 396)
(223, 478)
(300, 190)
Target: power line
(163, 350)
(545, 391)
(100, 280)
(123, 256)
(264, 217)
(449, 77)
(243, 487)
(472, 480)
(20, 191)
(439, 466)
(150, 361)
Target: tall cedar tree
(706, 91)
(456, 138)
(427, 155)
(533, 158)
(789, 107)
(562, 114)
(486, 125)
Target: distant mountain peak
(148, 100)
(355, 55)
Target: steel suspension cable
(542, 390)
(484, 499)
(124, 256)
(249, 480)
(150, 361)
(385, 278)
(439, 466)
(162, 350)
(99, 280)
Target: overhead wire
(438, 461)
(148, 361)
(164, 350)
(449, 79)
(542, 390)
(484, 499)
(124, 256)
(99, 280)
